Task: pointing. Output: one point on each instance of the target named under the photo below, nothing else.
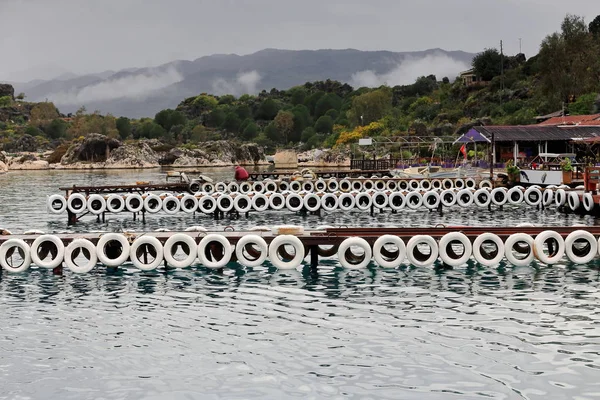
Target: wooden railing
(592, 178)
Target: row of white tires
(215, 251)
(345, 185)
(205, 203)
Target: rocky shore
(100, 152)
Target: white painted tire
(397, 201)
(271, 186)
(447, 253)
(225, 203)
(575, 255)
(180, 238)
(171, 205)
(459, 184)
(332, 185)
(195, 228)
(509, 245)
(533, 196)
(207, 204)
(538, 247)
(101, 249)
(152, 203)
(277, 201)
(465, 198)
(425, 184)
(482, 197)
(242, 203)
(134, 202)
(148, 241)
(447, 184)
(363, 201)
(547, 197)
(295, 186)
(402, 184)
(96, 204)
(256, 242)
(188, 203)
(414, 200)
(560, 197)
(60, 251)
(312, 202)
(345, 185)
(79, 244)
(60, 201)
(588, 201)
(329, 202)
(416, 257)
(345, 247)
(573, 200)
(486, 183)
(448, 197)
(227, 251)
(436, 184)
(77, 203)
(431, 199)
(392, 185)
(346, 202)
(368, 185)
(25, 250)
(470, 183)
(413, 184)
(308, 186)
(294, 202)
(379, 185)
(357, 185)
(499, 196)
(484, 258)
(209, 187)
(284, 186)
(515, 195)
(380, 199)
(219, 187)
(245, 187)
(258, 187)
(115, 203)
(383, 260)
(233, 187)
(282, 240)
(260, 202)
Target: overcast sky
(41, 38)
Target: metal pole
(492, 151)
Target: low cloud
(245, 83)
(410, 69)
(136, 86)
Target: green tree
(327, 102)
(243, 111)
(297, 95)
(284, 122)
(124, 127)
(227, 99)
(583, 105)
(199, 134)
(487, 64)
(250, 131)
(205, 103)
(5, 101)
(150, 130)
(232, 123)
(215, 118)
(370, 107)
(43, 112)
(594, 26)
(32, 131)
(267, 110)
(168, 118)
(272, 133)
(311, 101)
(307, 134)
(56, 129)
(324, 124)
(302, 120)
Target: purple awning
(472, 136)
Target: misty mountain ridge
(142, 92)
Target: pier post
(314, 256)
(144, 217)
(71, 218)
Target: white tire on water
(96, 204)
(77, 203)
(465, 198)
(170, 250)
(260, 202)
(482, 197)
(486, 183)
(207, 204)
(77, 246)
(188, 203)
(295, 186)
(329, 202)
(414, 200)
(539, 251)
(152, 203)
(499, 196)
(294, 202)
(35, 251)
(573, 200)
(277, 201)
(242, 203)
(214, 263)
(396, 258)
(533, 196)
(447, 253)
(413, 184)
(225, 203)
(509, 245)
(515, 195)
(581, 255)
(548, 197)
(448, 197)
(363, 201)
(283, 240)
(138, 261)
(431, 199)
(101, 248)
(312, 202)
(480, 253)
(380, 199)
(397, 201)
(588, 201)
(345, 247)
(257, 243)
(18, 245)
(560, 197)
(57, 204)
(418, 258)
(171, 205)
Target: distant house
(469, 78)
(573, 120)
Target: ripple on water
(262, 333)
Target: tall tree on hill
(284, 122)
(569, 61)
(487, 64)
(594, 26)
(370, 106)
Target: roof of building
(468, 72)
(558, 113)
(537, 132)
(572, 120)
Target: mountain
(141, 92)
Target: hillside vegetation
(330, 113)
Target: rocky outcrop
(25, 143)
(27, 162)
(217, 153)
(94, 148)
(136, 155)
(327, 157)
(7, 90)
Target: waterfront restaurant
(522, 143)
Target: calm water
(409, 333)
